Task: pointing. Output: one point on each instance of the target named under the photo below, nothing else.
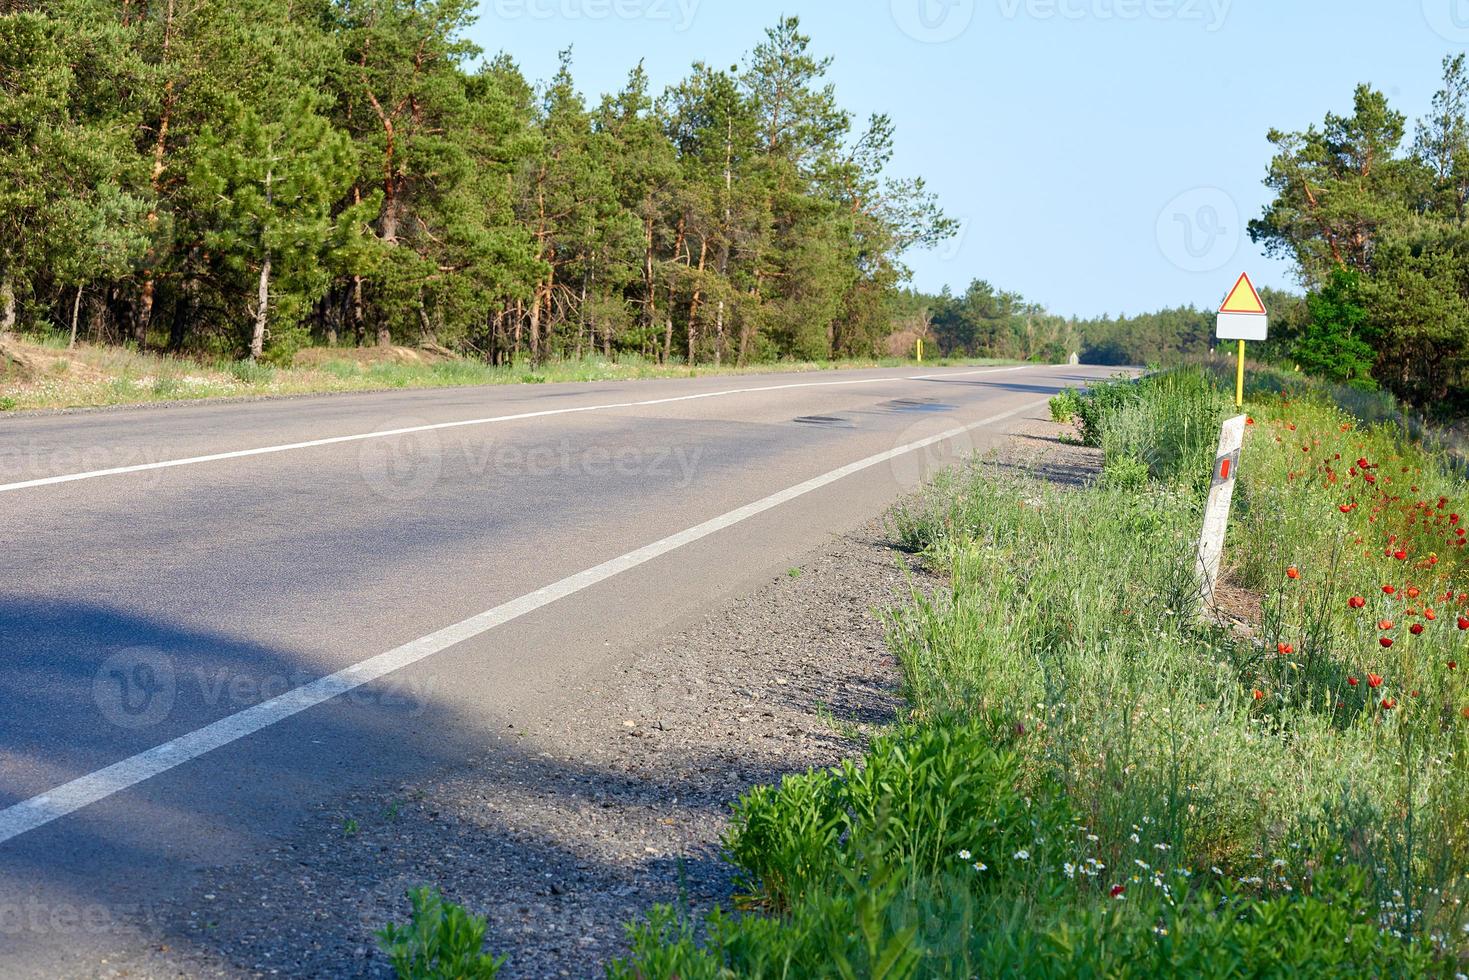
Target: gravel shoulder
(562, 834)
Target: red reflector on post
(1224, 469)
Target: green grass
(1092, 778)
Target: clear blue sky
(1102, 155)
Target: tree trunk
(586, 328)
(7, 305)
(519, 328)
(76, 310)
(650, 299)
(155, 179)
(719, 333)
(535, 326)
(144, 312)
(262, 297)
(694, 304)
(724, 233)
(359, 326)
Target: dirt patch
(1237, 607)
(15, 364)
(565, 835)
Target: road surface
(214, 614)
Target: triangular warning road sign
(1243, 298)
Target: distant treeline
(984, 321)
(248, 176)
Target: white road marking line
(85, 790)
(358, 437)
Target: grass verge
(54, 377)
(1091, 778)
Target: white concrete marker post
(1216, 511)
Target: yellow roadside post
(1241, 317)
(920, 350)
(1239, 379)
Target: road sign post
(1241, 317)
(1239, 378)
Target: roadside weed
(440, 942)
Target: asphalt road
(157, 623)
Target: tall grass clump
(1165, 424)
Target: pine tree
(267, 188)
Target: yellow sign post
(1241, 317)
(920, 350)
(1239, 379)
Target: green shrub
(251, 372)
(1123, 472)
(880, 928)
(918, 798)
(1065, 406)
(441, 942)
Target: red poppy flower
(1293, 572)
(1374, 680)
(1413, 592)
(1258, 694)
(1416, 629)
(1117, 890)
(1430, 615)
(1453, 665)
(1400, 555)
(1463, 623)
(1388, 704)
(1284, 648)
(1345, 508)
(1386, 641)
(1384, 624)
(1389, 589)
(1356, 602)
(1353, 681)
